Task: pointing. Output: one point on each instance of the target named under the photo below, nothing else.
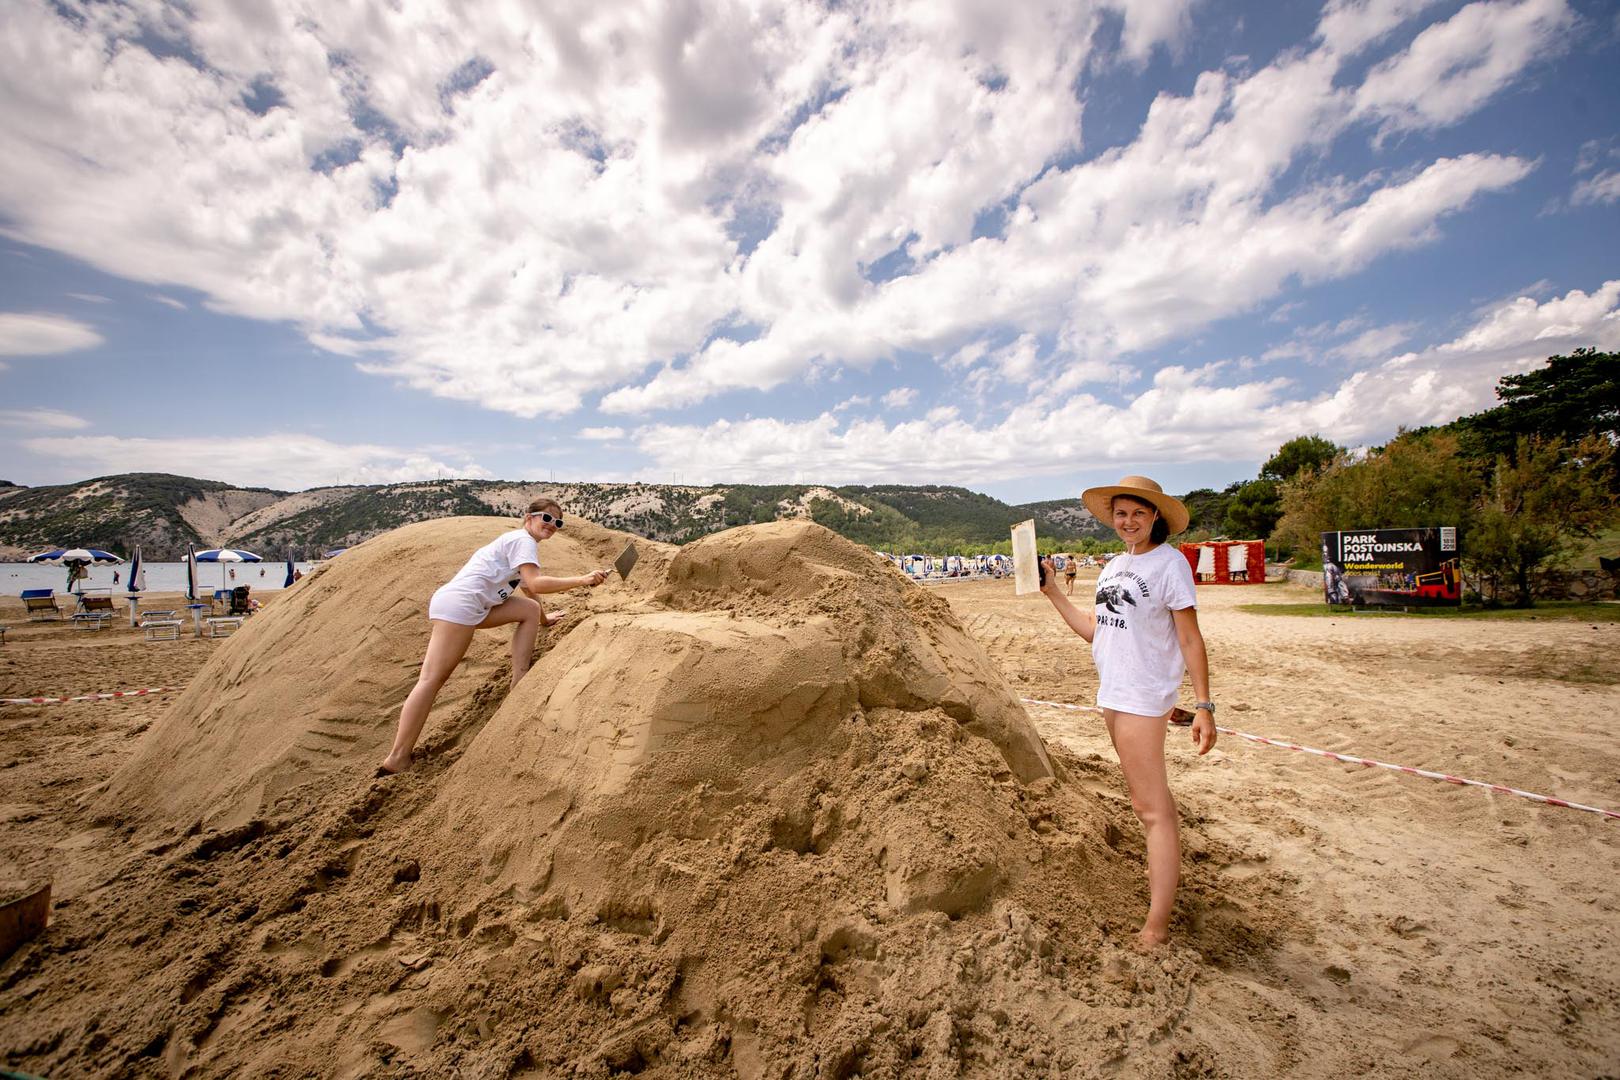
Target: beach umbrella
(137, 574)
(77, 560)
(191, 573)
(78, 555)
(334, 553)
(288, 583)
(226, 555)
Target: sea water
(160, 576)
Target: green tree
(1253, 509)
(1548, 493)
(1413, 481)
(1572, 397)
(1298, 454)
(1206, 508)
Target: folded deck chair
(94, 612)
(41, 604)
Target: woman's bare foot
(1149, 938)
(390, 766)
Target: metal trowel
(626, 560)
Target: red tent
(1228, 562)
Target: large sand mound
(765, 810)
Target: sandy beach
(579, 880)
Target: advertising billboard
(1391, 567)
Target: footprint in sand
(1431, 1048)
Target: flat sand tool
(1026, 561)
(23, 919)
(626, 560)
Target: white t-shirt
(492, 574)
(1137, 653)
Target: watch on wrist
(1210, 705)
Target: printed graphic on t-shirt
(1117, 594)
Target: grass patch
(1584, 555)
(1561, 610)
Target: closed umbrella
(226, 555)
(191, 574)
(290, 568)
(137, 574)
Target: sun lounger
(41, 604)
(162, 629)
(155, 615)
(224, 625)
(94, 612)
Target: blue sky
(1019, 249)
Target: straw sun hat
(1099, 501)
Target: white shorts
(457, 606)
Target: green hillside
(163, 514)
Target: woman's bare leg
(447, 644)
(1139, 741)
(527, 614)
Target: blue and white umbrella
(80, 555)
(77, 560)
(225, 555)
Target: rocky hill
(163, 513)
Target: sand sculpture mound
(765, 810)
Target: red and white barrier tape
(88, 697)
(1350, 759)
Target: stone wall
(1575, 585)
(1312, 578)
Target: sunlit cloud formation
(634, 212)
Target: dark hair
(545, 503)
(1161, 528)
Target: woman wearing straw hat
(1144, 634)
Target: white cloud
(1454, 67)
(91, 298)
(167, 301)
(287, 461)
(1150, 23)
(900, 397)
(535, 207)
(601, 434)
(1348, 26)
(1185, 415)
(344, 346)
(50, 419)
(1602, 188)
(1594, 152)
(43, 335)
(1118, 255)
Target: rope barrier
(1350, 759)
(88, 697)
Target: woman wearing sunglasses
(487, 592)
